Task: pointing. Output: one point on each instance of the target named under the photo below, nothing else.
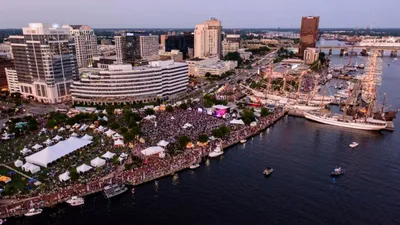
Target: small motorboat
(337, 171)
(353, 144)
(268, 171)
(2, 221)
(194, 166)
(217, 152)
(133, 190)
(76, 201)
(243, 141)
(33, 212)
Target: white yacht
(337, 120)
(76, 201)
(194, 166)
(353, 144)
(217, 152)
(33, 212)
(114, 190)
(243, 141)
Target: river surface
(233, 190)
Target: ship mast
(371, 85)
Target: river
(233, 190)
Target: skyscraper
(180, 42)
(207, 39)
(85, 44)
(45, 61)
(127, 46)
(308, 33)
(5, 63)
(149, 47)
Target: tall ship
(114, 190)
(364, 122)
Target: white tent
(87, 137)
(97, 162)
(237, 122)
(92, 126)
(200, 110)
(64, 177)
(150, 117)
(83, 168)
(123, 155)
(43, 130)
(118, 142)
(110, 132)
(52, 153)
(152, 150)
(18, 163)
(26, 166)
(108, 155)
(104, 112)
(74, 135)
(101, 128)
(57, 138)
(34, 169)
(117, 136)
(25, 151)
(163, 143)
(253, 124)
(172, 118)
(61, 129)
(68, 127)
(105, 118)
(48, 142)
(83, 127)
(37, 146)
(187, 125)
(76, 126)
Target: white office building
(207, 39)
(149, 47)
(228, 46)
(214, 66)
(85, 44)
(126, 84)
(12, 80)
(45, 61)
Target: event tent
(48, 142)
(87, 137)
(150, 117)
(25, 151)
(34, 169)
(237, 122)
(101, 128)
(108, 155)
(37, 146)
(64, 177)
(118, 142)
(117, 136)
(61, 129)
(74, 135)
(18, 163)
(83, 168)
(97, 162)
(110, 132)
(152, 150)
(92, 126)
(253, 124)
(105, 118)
(26, 166)
(163, 143)
(76, 126)
(57, 138)
(83, 127)
(187, 125)
(43, 130)
(52, 153)
(123, 155)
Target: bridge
(365, 50)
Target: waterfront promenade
(157, 169)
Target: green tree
(264, 112)
(217, 133)
(32, 124)
(169, 108)
(73, 174)
(51, 123)
(234, 56)
(128, 136)
(248, 116)
(123, 130)
(110, 110)
(114, 126)
(183, 141)
(225, 130)
(203, 138)
(183, 106)
(149, 111)
(208, 74)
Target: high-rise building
(163, 39)
(149, 47)
(228, 46)
(85, 44)
(12, 79)
(308, 33)
(45, 61)
(5, 62)
(127, 46)
(207, 39)
(180, 42)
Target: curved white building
(127, 84)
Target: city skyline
(179, 14)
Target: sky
(187, 13)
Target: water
(233, 190)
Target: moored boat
(33, 212)
(194, 166)
(268, 171)
(337, 171)
(217, 152)
(114, 190)
(75, 201)
(353, 144)
(243, 141)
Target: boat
(336, 120)
(76, 201)
(353, 144)
(114, 190)
(33, 212)
(243, 141)
(217, 152)
(194, 166)
(2, 221)
(133, 190)
(268, 171)
(337, 171)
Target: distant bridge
(365, 50)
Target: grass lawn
(18, 183)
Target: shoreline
(136, 176)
